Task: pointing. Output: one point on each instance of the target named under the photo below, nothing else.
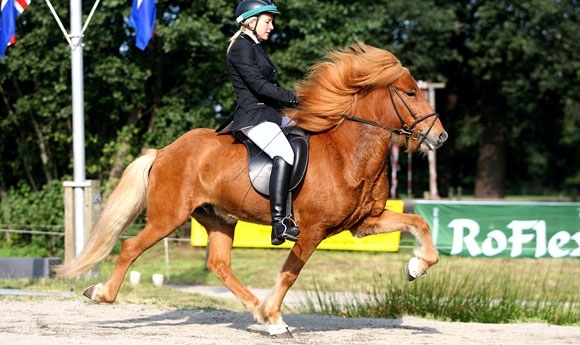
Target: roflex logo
(518, 233)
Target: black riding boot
(282, 228)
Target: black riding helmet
(251, 8)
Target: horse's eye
(411, 94)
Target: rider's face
(264, 26)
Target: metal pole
(394, 169)
(432, 156)
(76, 22)
(409, 175)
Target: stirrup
(290, 231)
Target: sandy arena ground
(74, 321)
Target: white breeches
(269, 137)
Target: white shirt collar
(251, 34)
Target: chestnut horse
(354, 104)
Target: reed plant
(482, 294)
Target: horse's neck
(359, 147)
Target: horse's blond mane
(330, 88)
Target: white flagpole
(76, 22)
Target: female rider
(259, 100)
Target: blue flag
(10, 10)
(142, 18)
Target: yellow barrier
(249, 235)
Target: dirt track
(74, 321)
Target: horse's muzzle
(442, 138)
(433, 141)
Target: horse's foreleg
(270, 308)
(130, 251)
(425, 254)
(219, 263)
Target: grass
(487, 295)
(458, 289)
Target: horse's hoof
(285, 335)
(88, 293)
(408, 273)
(279, 331)
(412, 269)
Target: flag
(10, 10)
(142, 18)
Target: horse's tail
(125, 203)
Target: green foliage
(505, 64)
(524, 52)
(27, 210)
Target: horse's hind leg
(132, 248)
(220, 240)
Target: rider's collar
(251, 35)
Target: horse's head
(419, 125)
(368, 85)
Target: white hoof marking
(278, 329)
(413, 268)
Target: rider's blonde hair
(245, 27)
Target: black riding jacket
(255, 81)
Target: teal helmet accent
(251, 8)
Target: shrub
(28, 211)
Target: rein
(409, 131)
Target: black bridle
(409, 131)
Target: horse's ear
(357, 48)
(360, 47)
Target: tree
(505, 66)
(520, 60)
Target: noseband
(409, 131)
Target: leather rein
(409, 131)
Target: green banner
(503, 229)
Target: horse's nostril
(443, 137)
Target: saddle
(260, 164)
